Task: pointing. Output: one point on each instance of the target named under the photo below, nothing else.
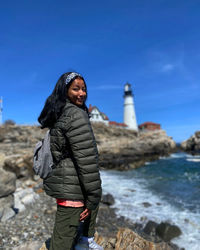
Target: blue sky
(154, 45)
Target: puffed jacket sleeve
(84, 150)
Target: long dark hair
(56, 101)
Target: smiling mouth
(81, 100)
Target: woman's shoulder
(70, 110)
(70, 114)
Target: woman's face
(77, 92)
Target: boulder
(8, 213)
(108, 199)
(23, 197)
(192, 145)
(6, 202)
(7, 183)
(167, 231)
(146, 204)
(129, 240)
(150, 228)
(19, 164)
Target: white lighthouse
(129, 109)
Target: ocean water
(170, 186)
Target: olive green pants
(67, 226)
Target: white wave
(193, 156)
(173, 155)
(193, 159)
(178, 155)
(164, 157)
(130, 195)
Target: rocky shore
(32, 220)
(119, 148)
(27, 214)
(192, 145)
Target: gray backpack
(42, 159)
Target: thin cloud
(168, 67)
(165, 62)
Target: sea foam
(131, 194)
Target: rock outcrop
(119, 148)
(16, 139)
(125, 149)
(192, 145)
(127, 239)
(164, 230)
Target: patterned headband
(71, 76)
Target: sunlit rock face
(125, 149)
(192, 145)
(119, 148)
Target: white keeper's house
(97, 115)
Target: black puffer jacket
(76, 173)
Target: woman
(75, 179)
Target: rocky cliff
(192, 145)
(125, 149)
(119, 148)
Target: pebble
(15, 238)
(146, 204)
(25, 235)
